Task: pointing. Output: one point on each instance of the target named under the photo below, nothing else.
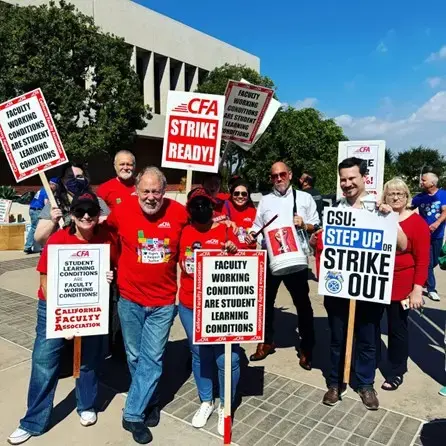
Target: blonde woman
(410, 274)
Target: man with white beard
(149, 227)
(114, 191)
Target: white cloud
(434, 82)
(306, 103)
(381, 48)
(441, 54)
(425, 126)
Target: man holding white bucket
(287, 256)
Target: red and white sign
(373, 152)
(193, 131)
(29, 136)
(246, 105)
(77, 290)
(5, 208)
(229, 298)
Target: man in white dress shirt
(302, 209)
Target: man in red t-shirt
(114, 191)
(149, 227)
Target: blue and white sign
(359, 254)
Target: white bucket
(284, 250)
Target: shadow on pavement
(426, 343)
(433, 433)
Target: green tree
(302, 138)
(390, 168)
(413, 162)
(92, 91)
(305, 140)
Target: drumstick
(255, 235)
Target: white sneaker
(88, 418)
(221, 420)
(434, 296)
(202, 414)
(19, 436)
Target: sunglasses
(240, 194)
(91, 211)
(281, 175)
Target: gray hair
(154, 171)
(125, 152)
(434, 178)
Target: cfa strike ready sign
(192, 135)
(359, 254)
(29, 136)
(246, 105)
(229, 297)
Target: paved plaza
(279, 403)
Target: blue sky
(378, 68)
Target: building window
(159, 68)
(189, 73)
(202, 75)
(175, 71)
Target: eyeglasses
(91, 211)
(281, 175)
(396, 194)
(240, 194)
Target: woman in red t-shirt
(203, 233)
(46, 356)
(410, 274)
(241, 210)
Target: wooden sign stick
(349, 341)
(77, 356)
(50, 194)
(228, 395)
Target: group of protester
(151, 234)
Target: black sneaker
(141, 434)
(153, 415)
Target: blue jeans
(367, 340)
(34, 216)
(436, 244)
(45, 375)
(145, 331)
(204, 358)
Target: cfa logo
(212, 241)
(81, 254)
(199, 106)
(364, 149)
(164, 224)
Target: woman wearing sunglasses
(46, 358)
(204, 233)
(241, 210)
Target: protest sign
(29, 136)
(229, 296)
(5, 207)
(192, 135)
(371, 151)
(359, 254)
(245, 108)
(77, 290)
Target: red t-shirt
(411, 265)
(63, 237)
(223, 196)
(114, 191)
(192, 239)
(244, 219)
(147, 266)
(219, 214)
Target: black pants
(297, 286)
(398, 351)
(367, 339)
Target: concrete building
(167, 55)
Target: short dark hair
(352, 162)
(209, 176)
(310, 178)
